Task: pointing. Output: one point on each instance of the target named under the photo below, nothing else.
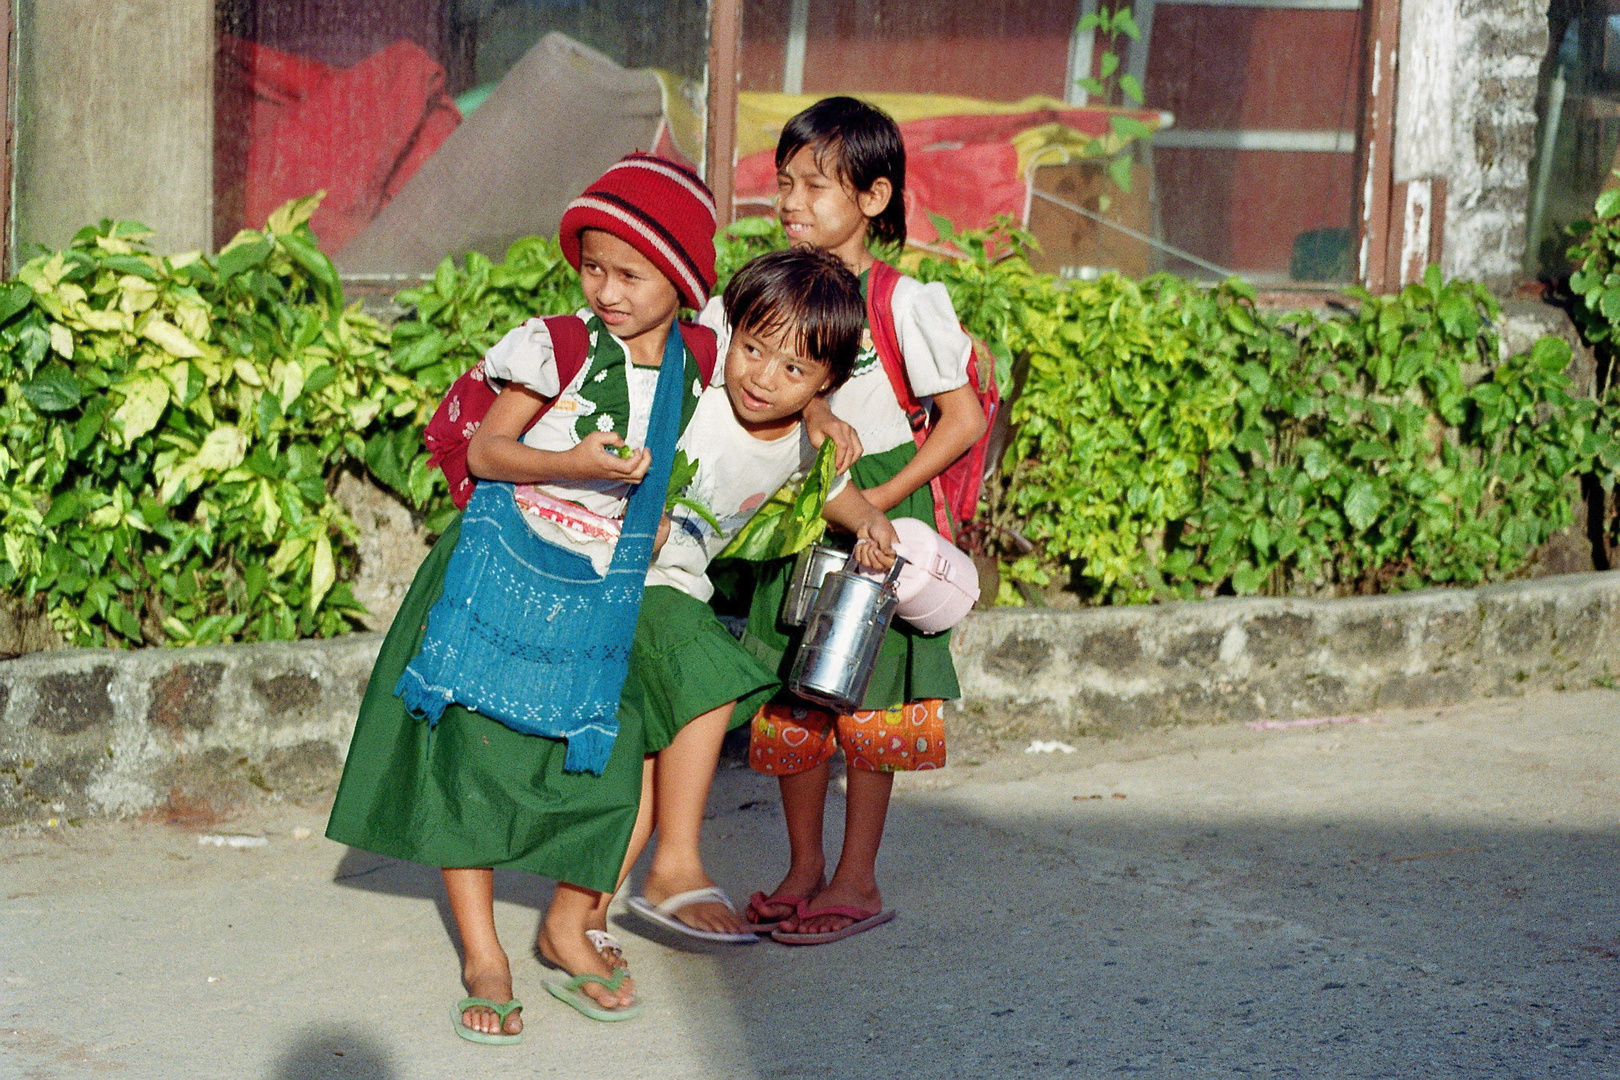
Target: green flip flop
(502, 1011)
(572, 993)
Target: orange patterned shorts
(787, 739)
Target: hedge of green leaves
(1173, 441)
(172, 429)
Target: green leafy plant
(742, 240)
(450, 322)
(170, 431)
(790, 520)
(1112, 86)
(681, 473)
(1596, 278)
(1172, 441)
(1128, 391)
(993, 288)
(1595, 283)
(172, 427)
(1391, 448)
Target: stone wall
(1494, 63)
(99, 731)
(1029, 673)
(185, 734)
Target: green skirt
(911, 665)
(683, 663)
(471, 792)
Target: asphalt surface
(1431, 894)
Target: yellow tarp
(761, 116)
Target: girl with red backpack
(840, 188)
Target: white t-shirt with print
(736, 473)
(933, 347)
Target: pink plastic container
(938, 584)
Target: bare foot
(492, 983)
(571, 950)
(781, 904)
(834, 895)
(709, 915)
(608, 947)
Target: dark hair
(809, 292)
(864, 146)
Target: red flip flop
(759, 900)
(862, 921)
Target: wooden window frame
(1376, 246)
(7, 136)
(720, 139)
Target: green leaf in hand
(790, 520)
(682, 473)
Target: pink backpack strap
(880, 317)
(570, 347)
(705, 348)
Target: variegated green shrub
(170, 430)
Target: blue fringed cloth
(524, 631)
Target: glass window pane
(1253, 168)
(1579, 146)
(433, 126)
(1258, 172)
(439, 126)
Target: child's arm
(496, 452)
(961, 422)
(820, 424)
(874, 534)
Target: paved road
(1430, 894)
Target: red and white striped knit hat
(663, 210)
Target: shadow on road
(1051, 928)
(334, 1053)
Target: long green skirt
(683, 663)
(471, 792)
(911, 665)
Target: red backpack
(470, 396)
(957, 489)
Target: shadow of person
(336, 1053)
(365, 870)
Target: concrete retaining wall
(189, 732)
(179, 731)
(1110, 670)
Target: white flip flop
(608, 948)
(664, 914)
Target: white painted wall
(1423, 108)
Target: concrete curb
(191, 732)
